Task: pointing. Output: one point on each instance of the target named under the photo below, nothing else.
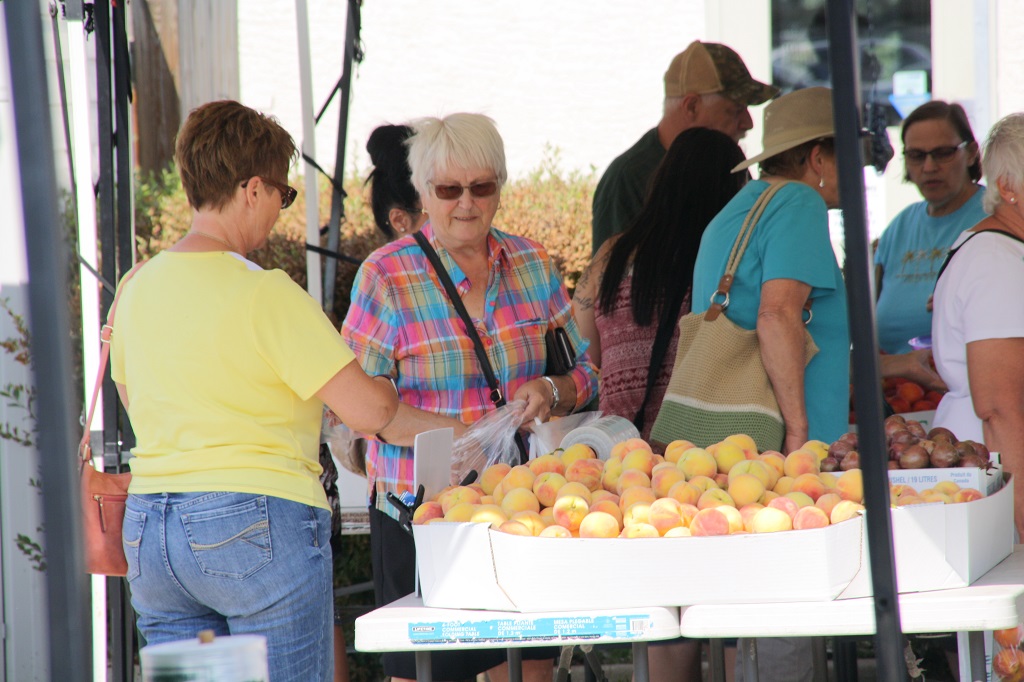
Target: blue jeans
(235, 563)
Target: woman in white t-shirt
(978, 323)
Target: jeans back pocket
(131, 540)
(230, 542)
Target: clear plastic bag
(347, 446)
(547, 436)
(490, 440)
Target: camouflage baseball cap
(706, 68)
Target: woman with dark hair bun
(395, 202)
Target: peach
(608, 507)
(769, 495)
(555, 531)
(850, 485)
(710, 521)
(518, 476)
(784, 485)
(659, 459)
(908, 500)
(714, 498)
(677, 532)
(546, 487)
(544, 463)
(599, 524)
(808, 484)
(745, 489)
(802, 499)
(530, 519)
(489, 513)
(735, 519)
(547, 514)
(935, 496)
(747, 515)
(426, 511)
(575, 452)
(947, 487)
(569, 511)
(771, 520)
(753, 467)
(492, 476)
(585, 471)
(612, 472)
(631, 496)
(827, 502)
(967, 495)
(665, 513)
(1009, 638)
(810, 517)
(676, 448)
(460, 513)
(664, 477)
(515, 528)
(697, 462)
(703, 482)
(519, 499)
(1007, 665)
(688, 511)
(621, 448)
(722, 481)
(487, 499)
(640, 530)
(785, 504)
(639, 458)
(901, 489)
(820, 448)
(726, 455)
(687, 493)
(458, 495)
(801, 462)
(775, 460)
(633, 478)
(745, 443)
(828, 479)
(498, 493)
(574, 488)
(844, 510)
(599, 495)
(638, 512)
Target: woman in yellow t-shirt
(224, 369)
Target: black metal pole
(843, 62)
(66, 582)
(337, 197)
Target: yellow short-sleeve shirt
(221, 361)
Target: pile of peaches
(903, 395)
(727, 488)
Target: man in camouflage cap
(706, 85)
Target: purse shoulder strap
(84, 450)
(720, 299)
(446, 281)
(952, 252)
(481, 355)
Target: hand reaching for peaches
(917, 366)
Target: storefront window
(895, 50)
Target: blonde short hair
(1004, 158)
(455, 141)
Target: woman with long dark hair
(630, 298)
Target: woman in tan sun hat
(788, 262)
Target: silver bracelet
(554, 391)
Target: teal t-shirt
(911, 251)
(791, 241)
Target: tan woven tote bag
(719, 386)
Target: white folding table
(407, 625)
(995, 601)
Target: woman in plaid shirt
(401, 324)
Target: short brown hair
(788, 164)
(225, 143)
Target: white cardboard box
(467, 565)
(985, 482)
(941, 546)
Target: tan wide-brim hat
(795, 118)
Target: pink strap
(84, 450)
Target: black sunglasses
(477, 189)
(288, 194)
(940, 154)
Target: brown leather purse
(103, 495)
